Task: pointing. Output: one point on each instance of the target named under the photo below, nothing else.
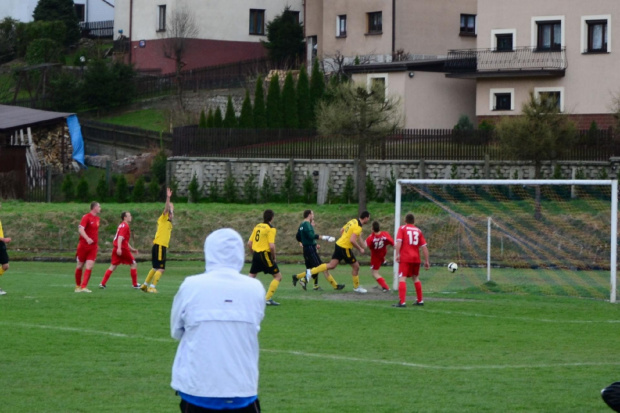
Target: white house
(87, 10)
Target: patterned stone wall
(333, 174)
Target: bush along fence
(436, 144)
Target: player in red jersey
(122, 252)
(409, 242)
(377, 244)
(87, 247)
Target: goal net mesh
(545, 239)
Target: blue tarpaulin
(76, 139)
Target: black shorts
(262, 261)
(186, 407)
(311, 256)
(158, 256)
(4, 257)
(345, 254)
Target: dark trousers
(190, 408)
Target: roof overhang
(424, 65)
(15, 117)
(508, 74)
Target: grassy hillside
(51, 229)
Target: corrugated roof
(15, 117)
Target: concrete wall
(332, 175)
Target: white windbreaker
(216, 316)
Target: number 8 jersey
(412, 239)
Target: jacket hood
(224, 249)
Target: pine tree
(246, 119)
(230, 120)
(203, 120)
(210, 119)
(218, 122)
(290, 115)
(260, 119)
(274, 114)
(303, 99)
(317, 88)
(60, 10)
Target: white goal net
(547, 237)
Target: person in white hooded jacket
(216, 317)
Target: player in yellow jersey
(4, 257)
(262, 242)
(160, 246)
(350, 235)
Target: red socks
(418, 290)
(78, 277)
(402, 291)
(134, 276)
(382, 283)
(106, 277)
(86, 278)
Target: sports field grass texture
(467, 350)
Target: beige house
(228, 30)
(403, 44)
(558, 47)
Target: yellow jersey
(352, 227)
(1, 232)
(164, 230)
(262, 236)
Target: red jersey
(122, 231)
(90, 223)
(411, 240)
(377, 243)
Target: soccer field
(466, 350)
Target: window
(549, 35)
(374, 23)
(548, 93)
(257, 21)
(503, 42)
(597, 36)
(79, 10)
(502, 99)
(341, 26)
(161, 20)
(468, 25)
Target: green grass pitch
(466, 350)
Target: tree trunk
(361, 176)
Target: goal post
(565, 229)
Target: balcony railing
(519, 61)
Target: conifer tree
(246, 120)
(230, 120)
(260, 119)
(274, 113)
(218, 122)
(59, 10)
(290, 115)
(317, 88)
(210, 119)
(202, 123)
(304, 109)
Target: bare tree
(366, 117)
(181, 27)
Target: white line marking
(324, 356)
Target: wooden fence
(115, 135)
(437, 144)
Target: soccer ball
(452, 267)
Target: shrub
(230, 120)
(193, 190)
(139, 191)
(158, 166)
(485, 125)
(267, 190)
(308, 187)
(102, 190)
(67, 188)
(65, 92)
(82, 193)
(121, 193)
(371, 189)
(154, 189)
(288, 186)
(214, 192)
(348, 191)
(464, 123)
(250, 189)
(43, 51)
(230, 189)
(202, 123)
(389, 189)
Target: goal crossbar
(612, 183)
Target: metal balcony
(519, 62)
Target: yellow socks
(157, 277)
(272, 289)
(149, 277)
(356, 281)
(1, 271)
(332, 281)
(320, 268)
